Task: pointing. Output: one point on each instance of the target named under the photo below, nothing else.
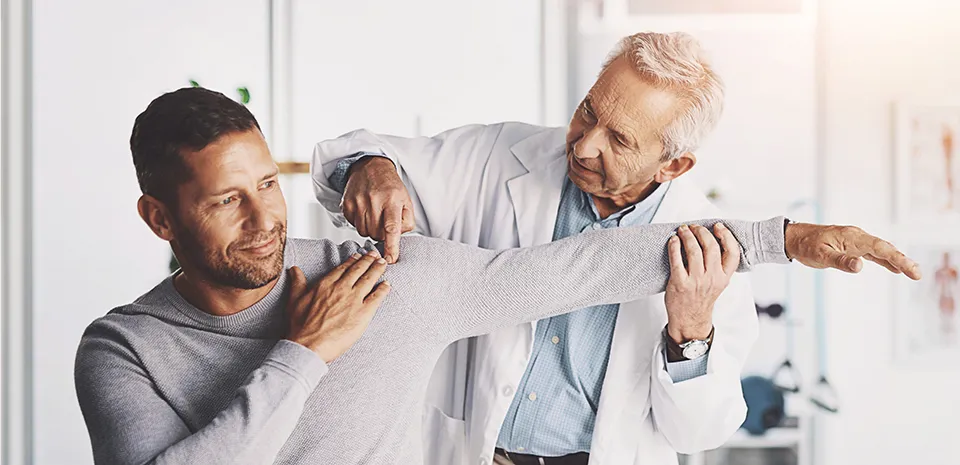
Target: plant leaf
(244, 95)
(194, 83)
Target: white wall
(878, 52)
(97, 65)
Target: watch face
(695, 349)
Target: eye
(588, 112)
(227, 201)
(268, 184)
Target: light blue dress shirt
(555, 408)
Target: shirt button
(508, 391)
(521, 449)
(555, 339)
(532, 396)
(597, 226)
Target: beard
(232, 268)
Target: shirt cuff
(338, 180)
(687, 369)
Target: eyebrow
(272, 174)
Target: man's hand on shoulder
(329, 316)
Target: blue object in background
(764, 404)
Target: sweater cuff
(298, 361)
(769, 237)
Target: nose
(260, 218)
(591, 145)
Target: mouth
(263, 248)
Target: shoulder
(316, 257)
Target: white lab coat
(499, 186)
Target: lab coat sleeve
(702, 413)
(437, 171)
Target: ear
(674, 168)
(157, 216)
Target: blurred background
(839, 111)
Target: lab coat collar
(536, 194)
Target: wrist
(325, 354)
(373, 161)
(681, 333)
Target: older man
(633, 382)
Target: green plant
(243, 92)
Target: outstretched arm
(461, 291)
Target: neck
(218, 300)
(607, 206)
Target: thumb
(298, 282)
(406, 219)
(843, 262)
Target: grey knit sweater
(160, 381)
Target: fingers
(692, 247)
(368, 279)
(881, 250)
(884, 263)
(709, 246)
(376, 297)
(843, 262)
(676, 258)
(358, 268)
(392, 218)
(731, 249)
(337, 272)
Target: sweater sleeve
(130, 422)
(463, 291)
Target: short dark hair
(186, 119)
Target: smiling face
(229, 224)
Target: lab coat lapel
(536, 194)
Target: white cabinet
(410, 68)
(96, 66)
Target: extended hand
(843, 247)
(693, 290)
(376, 202)
(329, 316)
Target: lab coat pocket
(445, 438)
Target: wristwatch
(688, 350)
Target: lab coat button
(508, 391)
(483, 461)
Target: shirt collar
(630, 215)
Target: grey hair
(677, 63)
